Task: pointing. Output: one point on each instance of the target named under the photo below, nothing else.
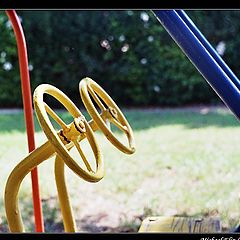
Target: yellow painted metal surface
(14, 181)
(74, 132)
(170, 224)
(87, 88)
(64, 200)
(59, 143)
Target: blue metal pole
(201, 58)
(209, 47)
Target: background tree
(127, 52)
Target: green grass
(186, 163)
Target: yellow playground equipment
(61, 142)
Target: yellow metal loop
(77, 130)
(89, 87)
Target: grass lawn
(186, 163)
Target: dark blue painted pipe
(209, 47)
(201, 58)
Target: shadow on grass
(141, 119)
(53, 222)
(91, 224)
(95, 223)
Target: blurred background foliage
(127, 52)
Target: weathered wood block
(181, 225)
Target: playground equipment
(200, 52)
(63, 141)
(203, 56)
(171, 224)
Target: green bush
(10, 89)
(127, 52)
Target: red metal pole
(28, 113)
